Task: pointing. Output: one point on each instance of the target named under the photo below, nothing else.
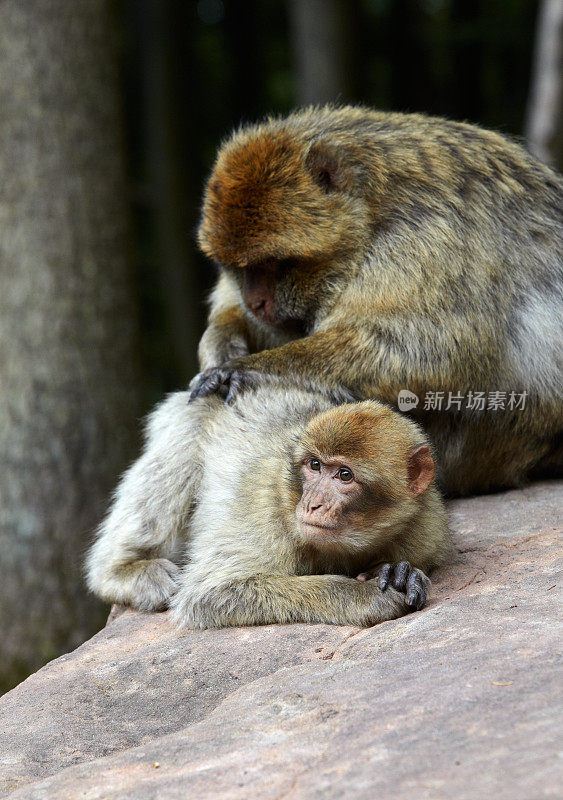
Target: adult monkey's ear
(420, 469)
(326, 164)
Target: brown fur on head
(275, 195)
(384, 449)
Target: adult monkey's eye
(345, 475)
(315, 464)
(286, 264)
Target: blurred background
(111, 112)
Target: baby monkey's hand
(403, 577)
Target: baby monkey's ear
(420, 469)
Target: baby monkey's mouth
(318, 525)
(308, 526)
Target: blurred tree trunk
(322, 50)
(544, 127)
(69, 387)
(169, 184)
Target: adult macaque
(384, 252)
(276, 503)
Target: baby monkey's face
(359, 470)
(331, 498)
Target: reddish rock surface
(457, 701)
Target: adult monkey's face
(279, 213)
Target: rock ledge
(458, 700)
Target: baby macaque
(286, 506)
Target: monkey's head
(278, 210)
(362, 469)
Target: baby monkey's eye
(345, 475)
(315, 464)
